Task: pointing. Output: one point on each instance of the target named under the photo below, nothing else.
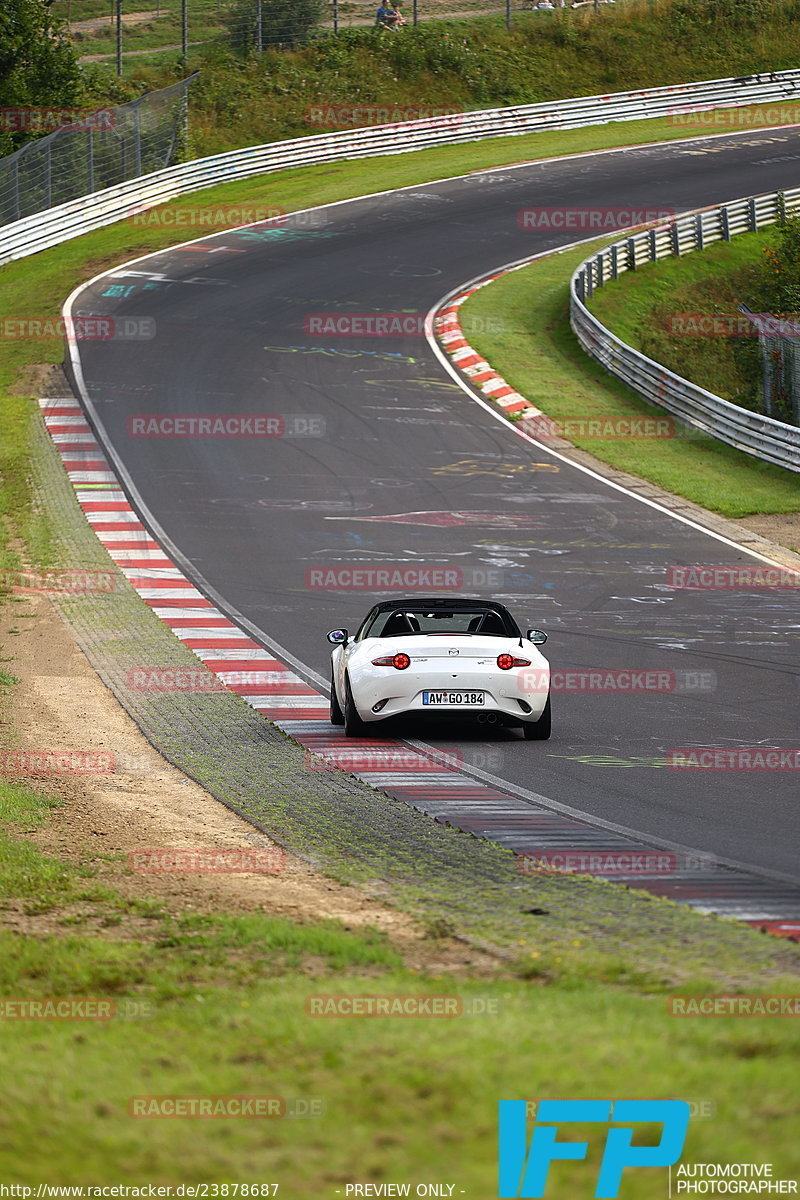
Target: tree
(284, 23)
(38, 66)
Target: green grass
(218, 1006)
(538, 355)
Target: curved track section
(409, 471)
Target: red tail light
(506, 661)
(400, 661)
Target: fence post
(48, 174)
(651, 242)
(335, 14)
(508, 14)
(675, 238)
(137, 144)
(17, 213)
(119, 37)
(89, 160)
(725, 223)
(614, 270)
(414, 13)
(698, 231)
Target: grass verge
(537, 353)
(222, 1006)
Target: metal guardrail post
(675, 239)
(631, 255)
(698, 232)
(724, 223)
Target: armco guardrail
(69, 220)
(768, 439)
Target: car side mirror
(338, 637)
(537, 636)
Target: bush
(285, 24)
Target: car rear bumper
(508, 702)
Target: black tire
(538, 731)
(353, 725)
(337, 716)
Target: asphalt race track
(405, 468)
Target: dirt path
(90, 58)
(95, 23)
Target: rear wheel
(538, 731)
(337, 716)
(353, 725)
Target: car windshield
(399, 621)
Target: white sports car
(442, 656)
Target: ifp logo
(524, 1170)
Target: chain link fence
(145, 31)
(779, 343)
(100, 149)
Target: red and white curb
(467, 360)
(438, 789)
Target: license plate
(465, 699)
